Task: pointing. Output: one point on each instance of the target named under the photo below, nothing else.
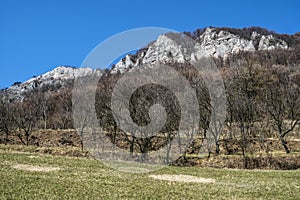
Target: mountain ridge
(211, 41)
(56, 78)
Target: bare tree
(43, 103)
(60, 109)
(243, 92)
(6, 120)
(283, 102)
(25, 115)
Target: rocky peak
(269, 42)
(165, 49)
(212, 42)
(223, 43)
(57, 77)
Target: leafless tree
(60, 109)
(243, 93)
(42, 105)
(25, 115)
(6, 120)
(283, 102)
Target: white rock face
(123, 64)
(165, 50)
(57, 76)
(211, 43)
(63, 72)
(223, 43)
(269, 43)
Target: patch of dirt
(32, 156)
(34, 168)
(183, 178)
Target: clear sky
(39, 35)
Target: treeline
(40, 109)
(262, 94)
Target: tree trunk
(284, 144)
(209, 154)
(81, 144)
(245, 158)
(45, 123)
(168, 148)
(132, 147)
(27, 138)
(217, 148)
(6, 138)
(21, 139)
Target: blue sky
(37, 36)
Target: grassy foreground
(82, 178)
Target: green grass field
(82, 178)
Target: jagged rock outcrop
(212, 42)
(55, 79)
